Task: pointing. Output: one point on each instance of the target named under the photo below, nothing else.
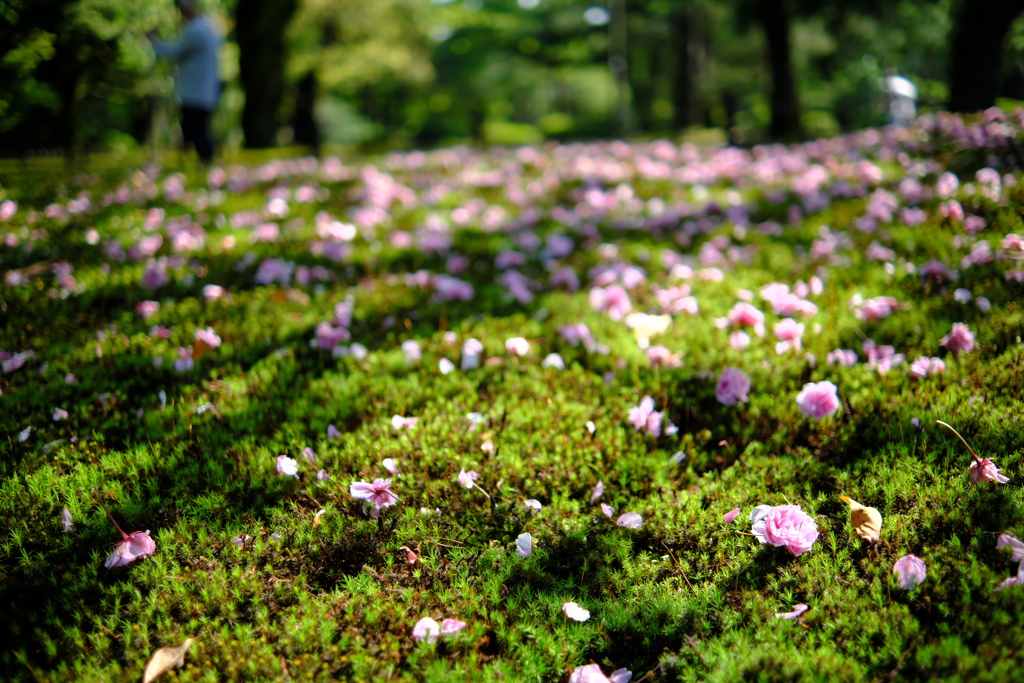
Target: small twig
(676, 562)
(693, 644)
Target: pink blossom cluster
(645, 418)
(784, 526)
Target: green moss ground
(685, 597)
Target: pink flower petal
(797, 611)
(1016, 547)
(575, 612)
(426, 629)
(450, 627)
(630, 520)
(910, 571)
(134, 547)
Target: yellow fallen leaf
(645, 326)
(165, 659)
(867, 522)
(199, 348)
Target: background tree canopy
(79, 74)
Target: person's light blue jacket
(196, 55)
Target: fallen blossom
(399, 422)
(910, 572)
(412, 351)
(630, 520)
(924, 366)
(844, 358)
(797, 611)
(60, 414)
(533, 503)
(1017, 580)
(185, 360)
(986, 470)
(1016, 547)
(757, 517)
(591, 673)
(449, 627)
(471, 351)
(426, 629)
(524, 545)
(410, 556)
(790, 334)
(645, 417)
(17, 361)
(517, 346)
(960, 339)
(731, 516)
(1016, 555)
(207, 336)
(659, 356)
(310, 455)
(445, 366)
(785, 526)
(287, 466)
(145, 309)
(332, 432)
(132, 547)
(379, 492)
(739, 340)
(733, 385)
(467, 478)
(614, 300)
(607, 510)
(818, 399)
(877, 308)
(553, 361)
(575, 612)
(745, 315)
(390, 465)
(597, 492)
(982, 469)
(66, 522)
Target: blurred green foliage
(81, 74)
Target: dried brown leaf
(165, 659)
(867, 522)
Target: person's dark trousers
(195, 129)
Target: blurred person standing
(195, 52)
(901, 97)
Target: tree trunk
(260, 31)
(774, 16)
(691, 48)
(642, 65)
(976, 52)
(304, 123)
